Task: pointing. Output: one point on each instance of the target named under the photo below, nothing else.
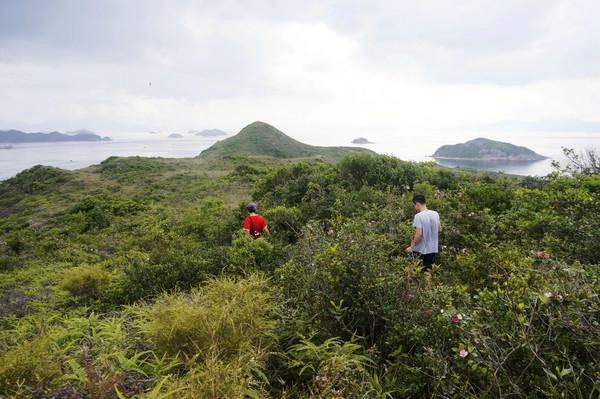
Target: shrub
(180, 264)
(334, 368)
(97, 211)
(31, 365)
(38, 179)
(284, 223)
(348, 279)
(225, 317)
(85, 281)
(214, 378)
(247, 255)
(378, 171)
(211, 222)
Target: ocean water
(414, 147)
(75, 155)
(419, 147)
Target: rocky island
(175, 136)
(482, 149)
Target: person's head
(251, 207)
(419, 202)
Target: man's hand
(409, 249)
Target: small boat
(6, 147)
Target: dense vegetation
(133, 279)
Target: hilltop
(488, 150)
(261, 140)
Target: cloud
(308, 67)
(549, 125)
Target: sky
(311, 67)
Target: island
(361, 140)
(17, 136)
(482, 149)
(175, 136)
(208, 133)
(262, 141)
(83, 132)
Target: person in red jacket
(255, 224)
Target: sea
(414, 147)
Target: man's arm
(416, 239)
(267, 232)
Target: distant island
(208, 133)
(175, 136)
(483, 149)
(261, 140)
(17, 136)
(361, 140)
(83, 132)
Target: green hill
(260, 139)
(486, 149)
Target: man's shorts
(427, 259)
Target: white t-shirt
(429, 223)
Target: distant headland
(17, 136)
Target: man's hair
(419, 198)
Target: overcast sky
(310, 65)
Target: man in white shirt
(427, 226)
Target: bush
(97, 212)
(38, 179)
(214, 378)
(86, 281)
(31, 365)
(333, 369)
(225, 317)
(284, 223)
(247, 255)
(380, 171)
(211, 222)
(348, 277)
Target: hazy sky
(304, 66)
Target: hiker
(427, 225)
(255, 224)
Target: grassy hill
(260, 139)
(486, 149)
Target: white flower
(463, 353)
(548, 294)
